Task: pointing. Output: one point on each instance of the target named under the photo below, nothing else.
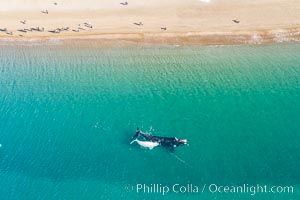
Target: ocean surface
(67, 115)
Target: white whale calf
(146, 144)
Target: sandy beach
(190, 22)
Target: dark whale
(170, 142)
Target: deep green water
(67, 116)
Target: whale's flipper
(137, 133)
(133, 141)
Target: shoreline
(168, 39)
(192, 22)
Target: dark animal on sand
(89, 25)
(236, 21)
(55, 31)
(37, 29)
(138, 24)
(22, 30)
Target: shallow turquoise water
(67, 115)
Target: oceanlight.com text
(249, 189)
(211, 188)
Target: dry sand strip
(176, 22)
